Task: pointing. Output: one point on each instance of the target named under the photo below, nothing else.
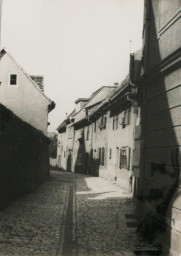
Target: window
(124, 158)
(125, 120)
(115, 122)
(103, 122)
(13, 79)
(110, 153)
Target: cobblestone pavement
(105, 220)
(72, 215)
(32, 225)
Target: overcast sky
(78, 45)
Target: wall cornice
(167, 65)
(168, 24)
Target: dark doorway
(69, 161)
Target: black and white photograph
(90, 127)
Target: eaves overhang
(121, 100)
(62, 129)
(51, 106)
(165, 66)
(81, 123)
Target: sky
(77, 45)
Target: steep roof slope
(51, 103)
(110, 96)
(62, 126)
(96, 98)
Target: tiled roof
(64, 123)
(96, 98)
(123, 84)
(111, 95)
(100, 95)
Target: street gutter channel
(70, 238)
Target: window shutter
(117, 121)
(128, 116)
(128, 151)
(105, 120)
(110, 153)
(99, 156)
(120, 159)
(102, 157)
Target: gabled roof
(110, 97)
(99, 95)
(51, 103)
(62, 126)
(96, 98)
(120, 88)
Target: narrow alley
(72, 214)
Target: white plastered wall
(23, 99)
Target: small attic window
(13, 79)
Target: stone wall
(24, 162)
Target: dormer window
(13, 79)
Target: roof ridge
(93, 95)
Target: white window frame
(17, 80)
(125, 151)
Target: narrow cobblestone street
(72, 214)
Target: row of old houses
(24, 144)
(98, 137)
(130, 132)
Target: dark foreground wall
(24, 162)
(160, 195)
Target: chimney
(131, 67)
(39, 80)
(80, 103)
(116, 84)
